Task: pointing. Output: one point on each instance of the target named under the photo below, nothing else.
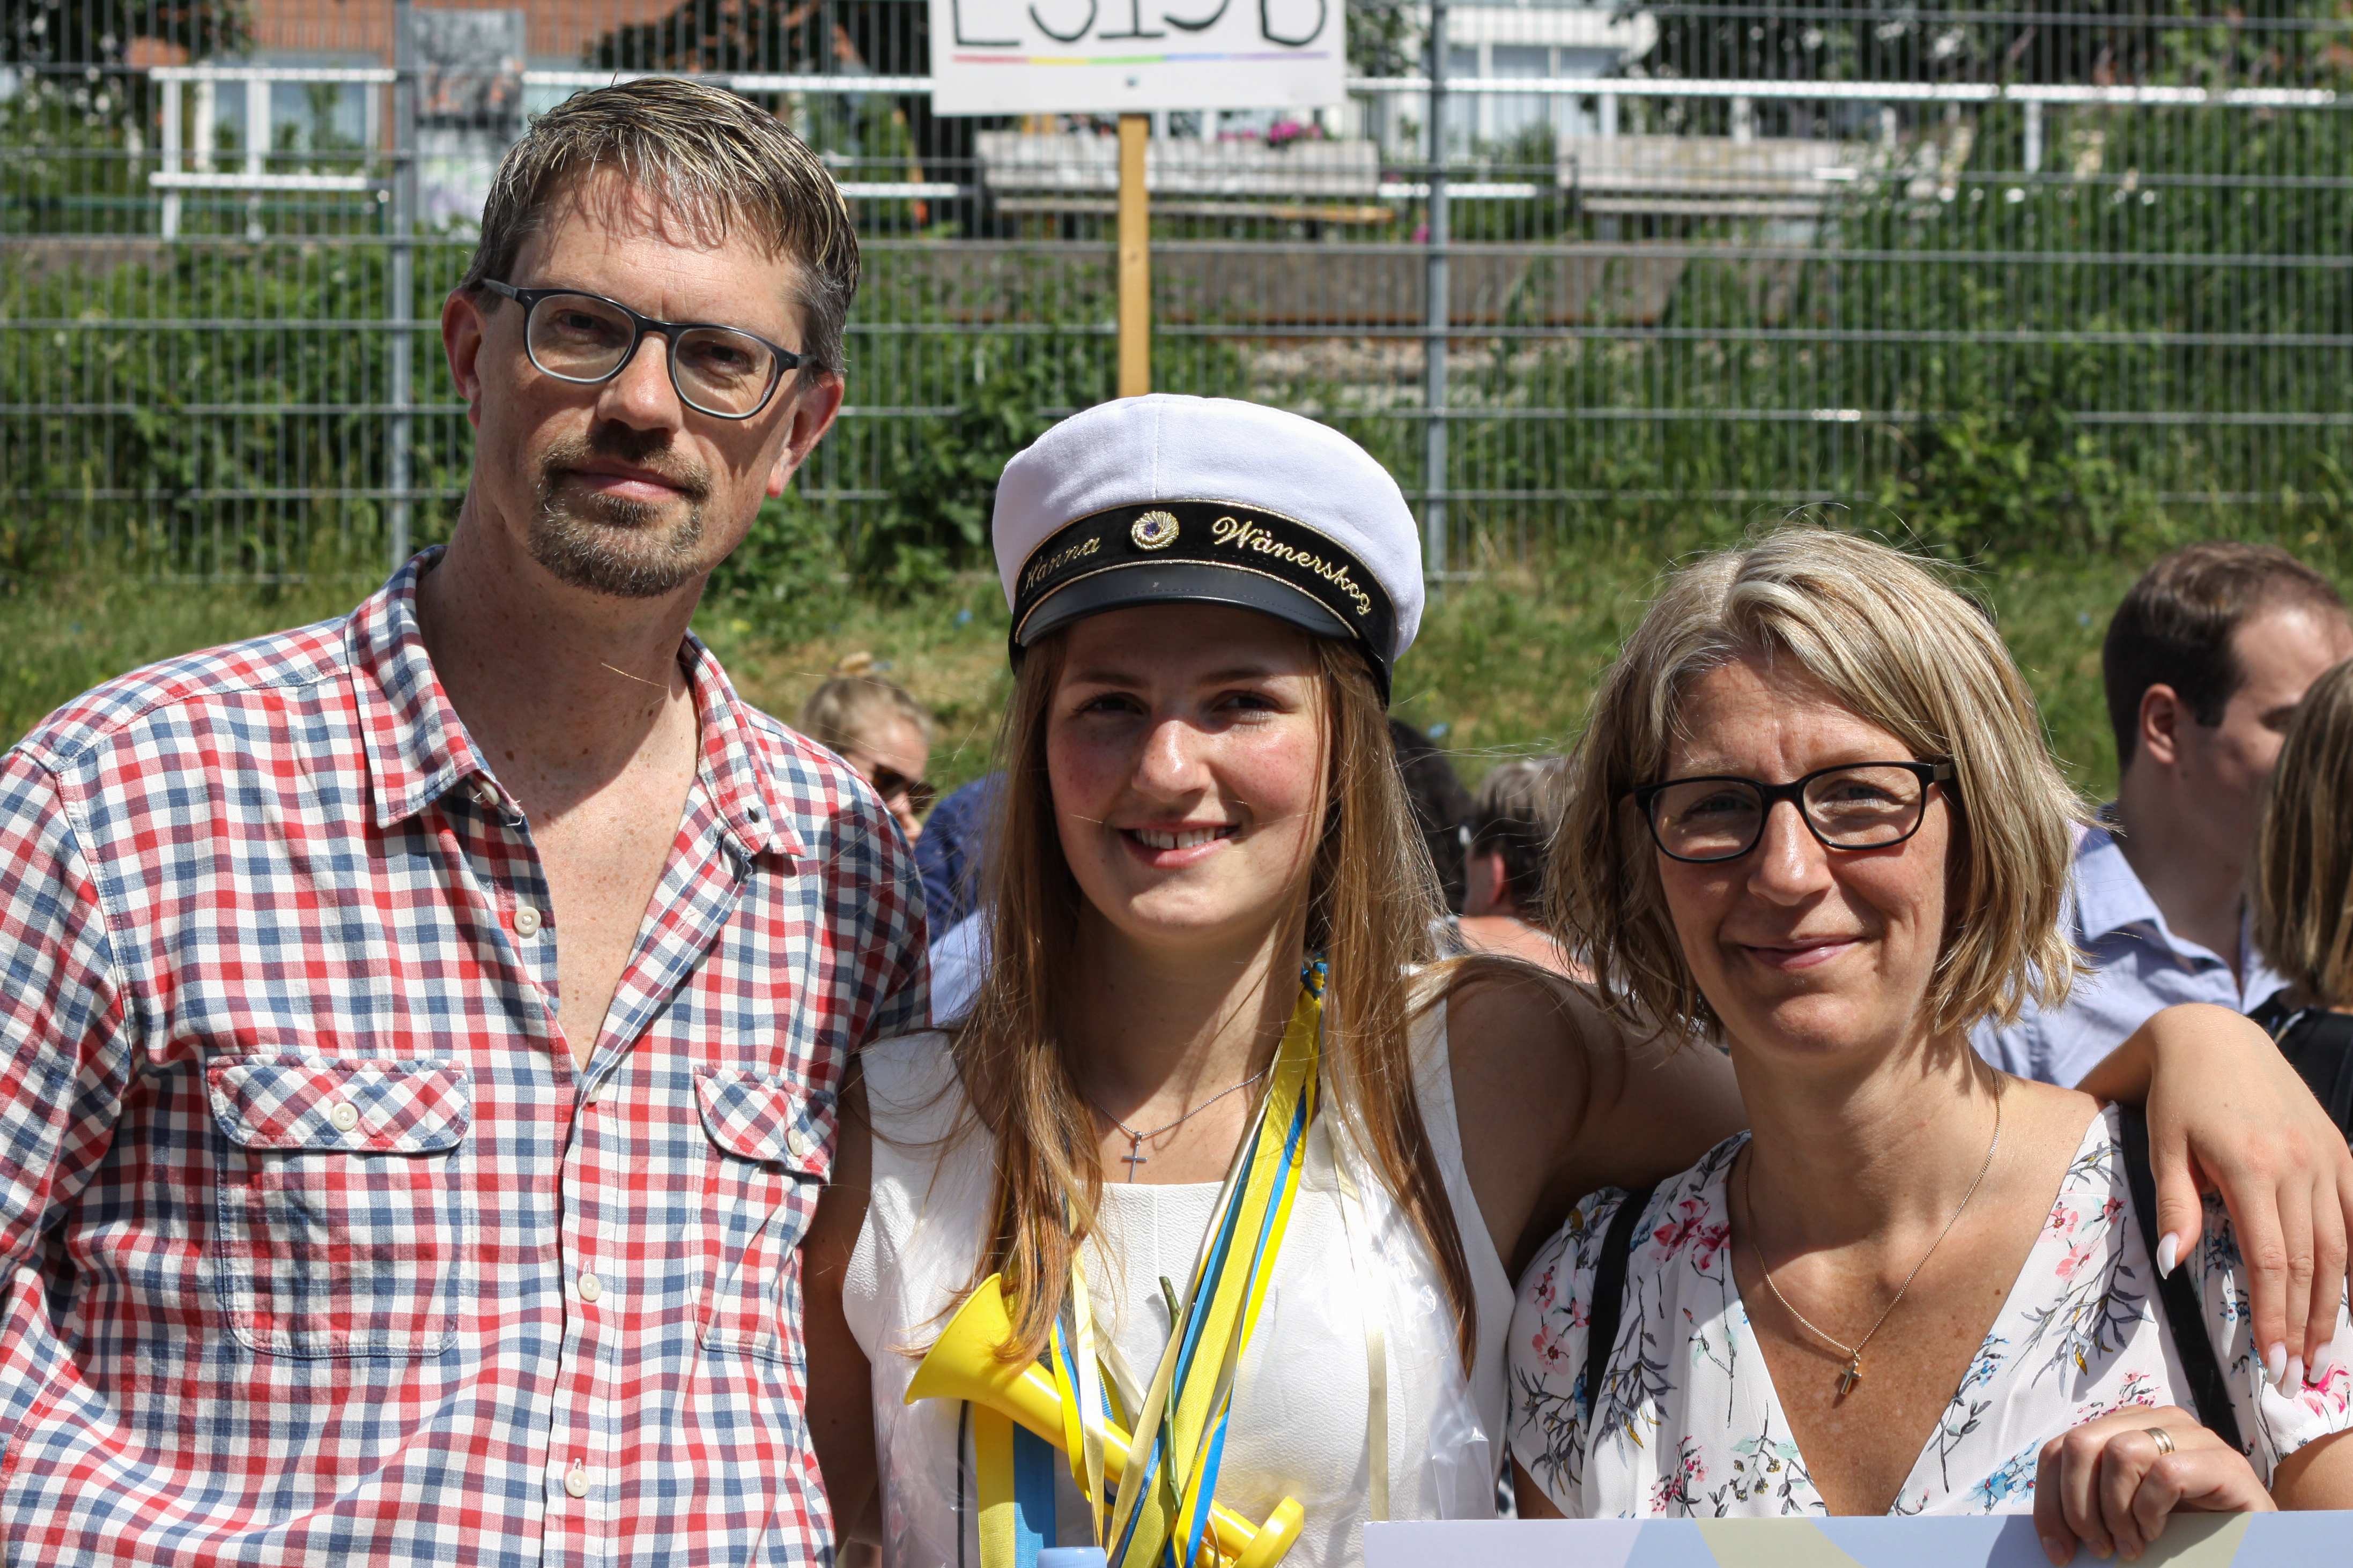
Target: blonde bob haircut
(1879, 633)
(2304, 847)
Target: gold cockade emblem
(1154, 530)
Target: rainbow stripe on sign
(1207, 58)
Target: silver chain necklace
(1135, 1140)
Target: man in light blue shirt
(2204, 664)
(2140, 967)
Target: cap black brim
(1180, 582)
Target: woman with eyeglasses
(881, 731)
(1815, 818)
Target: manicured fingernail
(2275, 1363)
(2295, 1374)
(2168, 1254)
(2056, 1550)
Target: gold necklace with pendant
(1851, 1374)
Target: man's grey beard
(610, 545)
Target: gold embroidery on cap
(1244, 535)
(1042, 569)
(1154, 530)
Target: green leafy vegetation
(1504, 666)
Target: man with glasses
(419, 1056)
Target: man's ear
(463, 329)
(812, 411)
(2163, 716)
(1487, 885)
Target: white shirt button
(596, 1095)
(486, 795)
(345, 1116)
(591, 1287)
(797, 1140)
(576, 1483)
(526, 920)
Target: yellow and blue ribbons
(1013, 1474)
(1160, 1515)
(1162, 1518)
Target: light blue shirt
(2141, 969)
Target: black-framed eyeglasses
(1860, 805)
(725, 372)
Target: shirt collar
(2109, 899)
(2109, 893)
(743, 763)
(419, 750)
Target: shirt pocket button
(345, 1116)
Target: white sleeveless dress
(1299, 1426)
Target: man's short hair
(712, 155)
(2175, 626)
(1514, 815)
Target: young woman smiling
(1213, 973)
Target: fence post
(1135, 259)
(400, 281)
(1439, 314)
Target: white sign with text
(1074, 56)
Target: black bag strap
(1609, 1303)
(2177, 1295)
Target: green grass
(1505, 665)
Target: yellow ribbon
(1176, 1433)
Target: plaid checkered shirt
(316, 1250)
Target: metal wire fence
(2027, 278)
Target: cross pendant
(1849, 1377)
(1134, 1158)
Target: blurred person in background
(1512, 823)
(2204, 663)
(882, 731)
(2301, 890)
(954, 851)
(1439, 804)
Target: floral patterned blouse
(1689, 1422)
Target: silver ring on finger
(2163, 1438)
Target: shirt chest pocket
(342, 1228)
(770, 1147)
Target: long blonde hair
(1372, 908)
(2303, 882)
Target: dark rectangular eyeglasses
(1862, 806)
(725, 372)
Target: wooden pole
(1135, 260)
